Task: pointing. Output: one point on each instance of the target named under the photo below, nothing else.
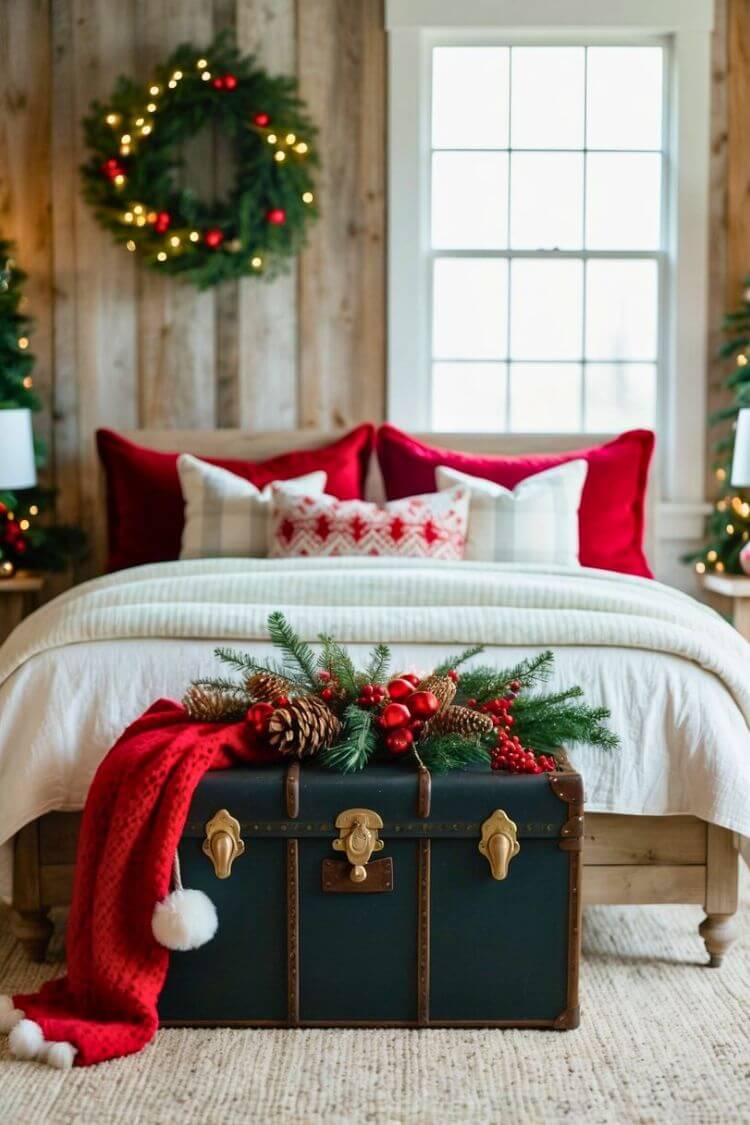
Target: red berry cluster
(112, 168)
(225, 82)
(509, 754)
(259, 714)
(370, 695)
(11, 535)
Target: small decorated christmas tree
(24, 541)
(728, 526)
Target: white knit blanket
(390, 600)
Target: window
(545, 246)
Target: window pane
(470, 200)
(547, 97)
(621, 310)
(545, 397)
(546, 211)
(470, 97)
(469, 315)
(624, 100)
(546, 309)
(619, 396)
(622, 201)
(468, 396)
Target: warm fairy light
(151, 216)
(177, 75)
(130, 245)
(140, 120)
(712, 556)
(127, 217)
(151, 107)
(146, 130)
(140, 220)
(301, 148)
(279, 155)
(23, 342)
(24, 525)
(201, 64)
(290, 138)
(730, 529)
(174, 240)
(171, 83)
(720, 567)
(700, 567)
(119, 180)
(256, 262)
(161, 256)
(154, 90)
(206, 76)
(307, 197)
(745, 510)
(721, 474)
(28, 382)
(721, 506)
(194, 236)
(741, 360)
(138, 208)
(33, 510)
(272, 138)
(124, 150)
(125, 139)
(112, 119)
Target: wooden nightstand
(737, 588)
(19, 596)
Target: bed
(664, 814)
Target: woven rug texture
(662, 1039)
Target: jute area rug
(661, 1040)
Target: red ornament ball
(411, 677)
(399, 741)
(394, 715)
(258, 716)
(326, 693)
(276, 216)
(453, 675)
(213, 238)
(162, 222)
(261, 120)
(230, 82)
(423, 704)
(281, 701)
(400, 688)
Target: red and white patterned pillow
(432, 526)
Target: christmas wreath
(322, 705)
(135, 141)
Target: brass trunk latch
(223, 842)
(499, 843)
(358, 837)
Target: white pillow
(537, 522)
(226, 515)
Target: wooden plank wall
(120, 347)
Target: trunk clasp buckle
(499, 843)
(223, 843)
(358, 837)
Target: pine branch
(240, 661)
(380, 662)
(545, 723)
(453, 662)
(485, 682)
(221, 683)
(445, 752)
(336, 659)
(298, 658)
(357, 744)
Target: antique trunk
(387, 898)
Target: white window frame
(684, 27)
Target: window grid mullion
(584, 265)
(509, 269)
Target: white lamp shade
(741, 458)
(17, 465)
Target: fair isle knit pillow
(432, 526)
(226, 515)
(536, 522)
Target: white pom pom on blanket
(26, 1040)
(184, 920)
(9, 1016)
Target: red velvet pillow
(144, 499)
(611, 512)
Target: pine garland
(380, 662)
(336, 660)
(298, 659)
(446, 752)
(484, 682)
(451, 663)
(357, 745)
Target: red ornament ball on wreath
(394, 715)
(213, 238)
(399, 741)
(276, 216)
(162, 222)
(261, 120)
(423, 704)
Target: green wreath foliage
(135, 141)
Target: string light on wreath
(261, 221)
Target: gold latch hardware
(499, 843)
(358, 837)
(223, 842)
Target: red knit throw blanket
(134, 816)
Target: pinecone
(266, 687)
(211, 705)
(461, 720)
(441, 686)
(304, 727)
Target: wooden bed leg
(718, 929)
(33, 929)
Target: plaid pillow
(536, 522)
(226, 515)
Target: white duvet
(674, 675)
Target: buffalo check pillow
(432, 526)
(226, 515)
(536, 522)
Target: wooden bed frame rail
(627, 859)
